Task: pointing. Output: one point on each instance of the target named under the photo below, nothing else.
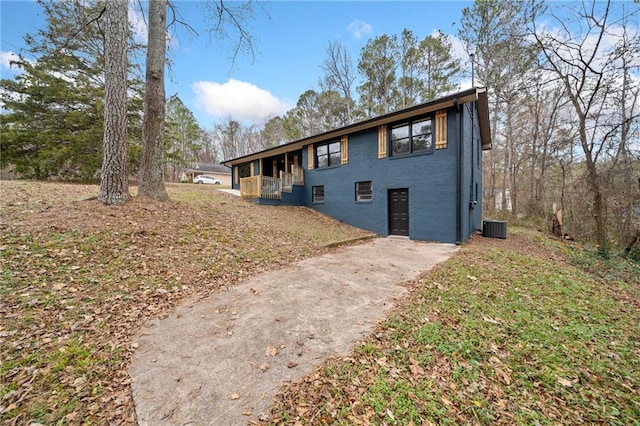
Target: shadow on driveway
(222, 359)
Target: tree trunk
(151, 167)
(507, 192)
(593, 181)
(114, 183)
(598, 212)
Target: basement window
(364, 191)
(317, 194)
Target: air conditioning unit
(494, 228)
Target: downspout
(458, 177)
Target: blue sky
(290, 40)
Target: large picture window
(364, 191)
(317, 194)
(328, 154)
(412, 137)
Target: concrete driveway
(220, 360)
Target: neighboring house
(210, 169)
(415, 172)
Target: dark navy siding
(471, 173)
(294, 198)
(430, 178)
(476, 195)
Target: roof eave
(483, 118)
(469, 95)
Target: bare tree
(588, 65)
(227, 136)
(272, 132)
(151, 164)
(228, 21)
(114, 184)
(496, 32)
(544, 104)
(625, 188)
(339, 75)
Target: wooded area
(563, 79)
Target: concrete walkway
(235, 192)
(220, 361)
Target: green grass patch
(500, 334)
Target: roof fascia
(483, 118)
(469, 95)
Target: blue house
(415, 172)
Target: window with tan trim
(236, 175)
(344, 150)
(328, 154)
(441, 129)
(412, 137)
(382, 142)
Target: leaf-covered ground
(521, 331)
(518, 331)
(78, 279)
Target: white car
(207, 179)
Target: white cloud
(359, 28)
(238, 99)
(5, 60)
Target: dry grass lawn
(78, 279)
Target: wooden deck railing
(270, 188)
(287, 181)
(250, 187)
(261, 187)
(298, 175)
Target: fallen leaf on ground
(565, 382)
(503, 376)
(491, 320)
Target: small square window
(317, 194)
(364, 191)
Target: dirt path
(221, 360)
